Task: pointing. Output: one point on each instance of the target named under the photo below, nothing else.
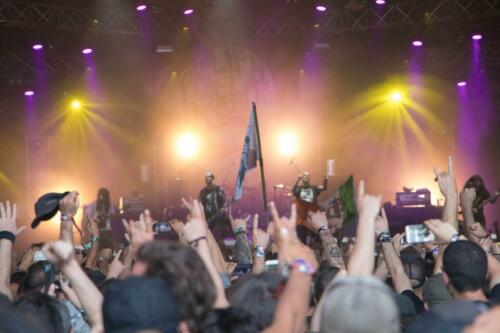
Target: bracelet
(435, 251)
(303, 266)
(195, 241)
(8, 235)
(240, 231)
(65, 218)
(384, 237)
(259, 252)
(322, 228)
(455, 238)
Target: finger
(450, 165)
(14, 212)
(436, 172)
(196, 209)
(126, 225)
(118, 254)
(361, 188)
(247, 218)
(293, 214)
(127, 237)
(2, 210)
(7, 209)
(274, 212)
(255, 223)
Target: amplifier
(421, 197)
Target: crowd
(378, 284)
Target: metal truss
(12, 63)
(31, 14)
(456, 55)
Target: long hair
(477, 183)
(103, 203)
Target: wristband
(196, 241)
(322, 228)
(65, 218)
(435, 251)
(259, 252)
(8, 235)
(240, 231)
(303, 266)
(454, 238)
(384, 237)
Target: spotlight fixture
(380, 2)
(87, 51)
(320, 8)
(417, 43)
(29, 93)
(461, 84)
(141, 8)
(188, 11)
(477, 37)
(37, 47)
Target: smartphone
(418, 233)
(272, 265)
(39, 256)
(161, 227)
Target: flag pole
(261, 163)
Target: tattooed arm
(331, 250)
(243, 249)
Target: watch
(65, 217)
(384, 237)
(259, 252)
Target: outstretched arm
(361, 261)
(8, 232)
(68, 206)
(331, 250)
(448, 187)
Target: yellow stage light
(187, 145)
(287, 143)
(396, 96)
(76, 104)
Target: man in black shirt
(307, 192)
(213, 198)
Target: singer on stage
(303, 190)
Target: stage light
(380, 2)
(187, 146)
(287, 143)
(140, 8)
(184, 28)
(188, 11)
(76, 104)
(417, 43)
(87, 51)
(29, 93)
(477, 37)
(37, 47)
(461, 84)
(320, 8)
(396, 96)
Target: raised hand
(396, 242)
(317, 220)
(141, 231)
(177, 226)
(116, 267)
(446, 180)
(381, 223)
(283, 224)
(260, 237)
(368, 205)
(59, 252)
(467, 197)
(443, 231)
(239, 225)
(196, 227)
(69, 204)
(476, 229)
(8, 218)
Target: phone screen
(418, 233)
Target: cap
(46, 207)
(140, 303)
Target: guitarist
(482, 197)
(213, 198)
